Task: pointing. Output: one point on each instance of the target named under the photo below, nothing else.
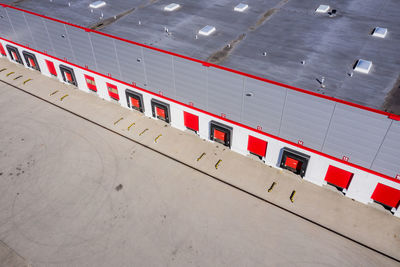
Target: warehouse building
(299, 85)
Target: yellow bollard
(19, 76)
(143, 131)
(202, 155)
(3, 69)
(292, 196)
(27, 81)
(62, 98)
(129, 127)
(155, 140)
(120, 119)
(217, 164)
(271, 187)
(55, 92)
(8, 74)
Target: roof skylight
(241, 7)
(380, 32)
(172, 7)
(97, 4)
(322, 9)
(207, 30)
(363, 66)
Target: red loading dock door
(31, 62)
(14, 55)
(135, 102)
(68, 76)
(219, 135)
(52, 69)
(2, 51)
(338, 177)
(293, 163)
(191, 121)
(160, 113)
(257, 146)
(386, 195)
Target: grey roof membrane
(301, 46)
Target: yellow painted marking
(61, 99)
(27, 81)
(19, 76)
(145, 130)
(120, 119)
(8, 74)
(3, 69)
(201, 156)
(216, 165)
(55, 92)
(292, 196)
(155, 140)
(271, 187)
(129, 127)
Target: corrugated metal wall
(368, 139)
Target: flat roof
(284, 41)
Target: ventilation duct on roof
(241, 7)
(380, 32)
(322, 9)
(363, 66)
(97, 4)
(172, 7)
(207, 30)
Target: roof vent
(172, 7)
(379, 32)
(97, 4)
(363, 66)
(241, 7)
(207, 30)
(322, 9)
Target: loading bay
(77, 192)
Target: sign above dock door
(338, 177)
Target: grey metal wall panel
(106, 58)
(6, 30)
(39, 33)
(225, 93)
(83, 51)
(306, 118)
(355, 133)
(159, 72)
(387, 160)
(23, 35)
(130, 58)
(265, 105)
(60, 40)
(190, 82)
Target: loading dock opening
(160, 110)
(91, 84)
(220, 133)
(68, 75)
(387, 196)
(2, 51)
(30, 60)
(257, 146)
(191, 121)
(112, 91)
(134, 100)
(339, 178)
(51, 68)
(14, 54)
(294, 161)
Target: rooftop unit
(172, 7)
(363, 66)
(379, 32)
(241, 7)
(97, 4)
(207, 30)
